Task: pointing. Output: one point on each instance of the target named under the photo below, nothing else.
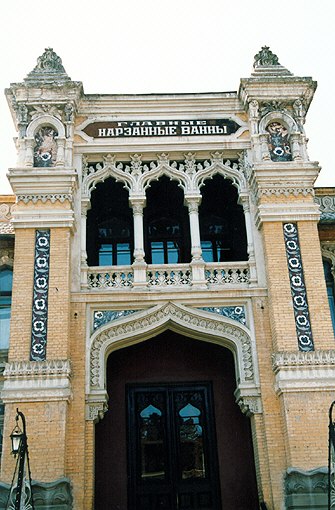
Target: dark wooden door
(172, 454)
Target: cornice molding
(304, 371)
(32, 381)
(287, 212)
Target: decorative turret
(277, 103)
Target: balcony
(169, 276)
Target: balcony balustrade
(168, 276)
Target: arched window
(167, 231)
(6, 280)
(327, 267)
(109, 226)
(222, 224)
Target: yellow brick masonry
(22, 295)
(268, 428)
(47, 420)
(284, 337)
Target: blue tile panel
(40, 296)
(298, 288)
(237, 313)
(102, 317)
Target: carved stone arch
(45, 120)
(191, 322)
(282, 117)
(228, 171)
(164, 169)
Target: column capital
(192, 202)
(137, 203)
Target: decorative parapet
(306, 489)
(304, 371)
(36, 380)
(327, 207)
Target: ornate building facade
(171, 296)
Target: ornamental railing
(110, 277)
(331, 458)
(227, 273)
(168, 276)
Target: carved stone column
(60, 151)
(29, 159)
(264, 147)
(244, 200)
(139, 265)
(197, 264)
(295, 146)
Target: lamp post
(20, 448)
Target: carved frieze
(327, 207)
(137, 175)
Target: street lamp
(20, 447)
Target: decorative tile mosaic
(101, 317)
(279, 145)
(298, 289)
(237, 313)
(45, 151)
(40, 296)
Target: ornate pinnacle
(49, 68)
(266, 58)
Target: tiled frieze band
(298, 288)
(102, 317)
(40, 296)
(237, 313)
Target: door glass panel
(192, 458)
(152, 443)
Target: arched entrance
(188, 382)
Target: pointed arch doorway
(192, 383)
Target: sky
(148, 46)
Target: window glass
(106, 255)
(330, 289)
(6, 280)
(123, 255)
(172, 252)
(207, 251)
(157, 252)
